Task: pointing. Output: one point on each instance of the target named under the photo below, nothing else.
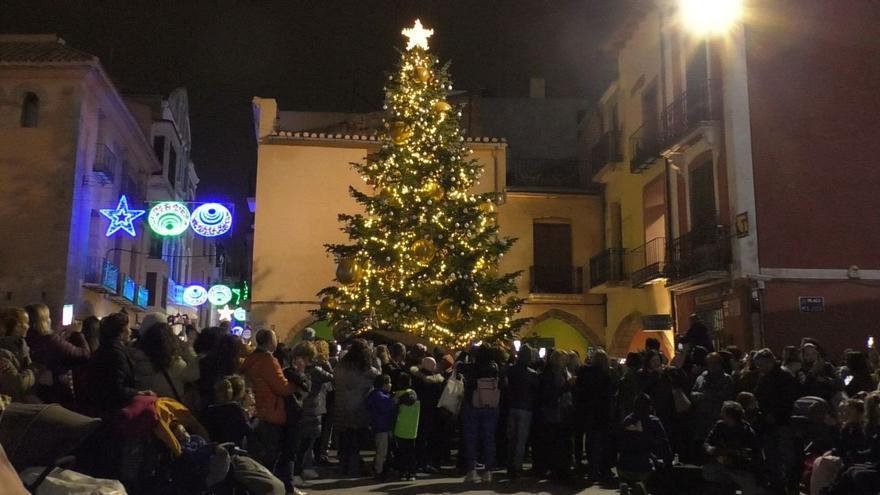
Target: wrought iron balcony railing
(700, 103)
(699, 251)
(645, 146)
(607, 150)
(541, 174)
(556, 279)
(608, 267)
(648, 262)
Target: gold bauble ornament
(434, 191)
(487, 208)
(423, 74)
(329, 302)
(400, 133)
(423, 251)
(348, 271)
(442, 107)
(448, 311)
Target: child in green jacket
(406, 426)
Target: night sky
(322, 55)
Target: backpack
(487, 394)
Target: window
(30, 110)
(172, 166)
(164, 295)
(159, 150)
(155, 247)
(702, 197)
(553, 271)
(151, 286)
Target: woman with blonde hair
(16, 379)
(56, 355)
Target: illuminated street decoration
(240, 314)
(241, 294)
(169, 218)
(225, 313)
(195, 295)
(218, 295)
(211, 220)
(417, 36)
(237, 330)
(121, 218)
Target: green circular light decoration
(169, 218)
(219, 294)
(240, 314)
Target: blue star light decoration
(122, 218)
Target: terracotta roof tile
(40, 49)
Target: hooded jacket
(269, 385)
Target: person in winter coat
(735, 451)
(642, 444)
(314, 406)
(16, 377)
(55, 355)
(629, 386)
(595, 394)
(219, 360)
(857, 376)
(479, 412)
(162, 363)
(381, 409)
(406, 427)
(818, 377)
(697, 335)
(428, 385)
(353, 380)
(776, 392)
(657, 384)
(111, 370)
(271, 389)
(712, 388)
(523, 387)
(553, 452)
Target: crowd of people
(266, 416)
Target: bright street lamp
(710, 17)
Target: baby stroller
(191, 464)
(39, 440)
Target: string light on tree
(423, 254)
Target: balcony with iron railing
(645, 146)
(556, 280)
(606, 151)
(101, 275)
(647, 263)
(701, 103)
(701, 253)
(608, 268)
(104, 166)
(527, 174)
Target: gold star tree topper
(418, 36)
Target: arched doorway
(567, 331)
(630, 336)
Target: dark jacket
(111, 377)
(428, 387)
(472, 373)
(776, 392)
(658, 385)
(523, 387)
(737, 446)
(641, 443)
(698, 335)
(594, 397)
(382, 410)
(16, 379)
(315, 404)
(226, 423)
(629, 387)
(555, 395)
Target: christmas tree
(424, 255)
